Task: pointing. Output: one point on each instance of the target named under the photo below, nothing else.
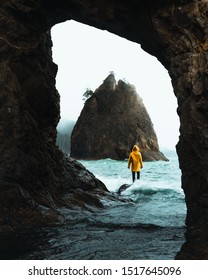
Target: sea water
(148, 222)
(158, 197)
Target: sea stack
(112, 120)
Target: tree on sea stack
(88, 93)
(112, 120)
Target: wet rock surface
(84, 236)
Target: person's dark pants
(133, 175)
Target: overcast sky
(86, 56)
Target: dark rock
(71, 186)
(174, 31)
(113, 119)
(123, 187)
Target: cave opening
(86, 55)
(84, 61)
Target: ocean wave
(152, 189)
(147, 190)
(118, 226)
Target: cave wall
(175, 31)
(35, 177)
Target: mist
(64, 131)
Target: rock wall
(111, 122)
(35, 177)
(175, 31)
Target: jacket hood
(136, 148)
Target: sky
(85, 57)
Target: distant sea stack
(112, 120)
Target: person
(135, 162)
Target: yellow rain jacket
(135, 159)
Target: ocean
(157, 196)
(148, 224)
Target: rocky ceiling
(31, 166)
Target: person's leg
(133, 176)
(138, 175)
